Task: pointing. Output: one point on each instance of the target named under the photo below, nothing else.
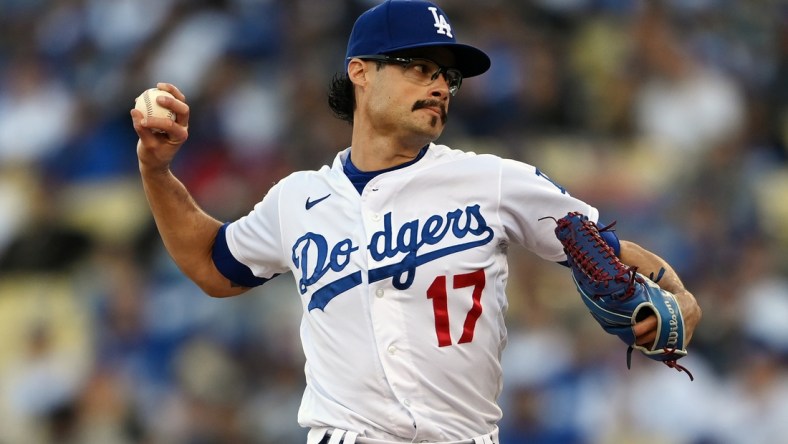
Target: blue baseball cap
(397, 25)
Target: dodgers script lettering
(313, 257)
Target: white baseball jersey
(403, 285)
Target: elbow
(212, 291)
(220, 292)
(215, 285)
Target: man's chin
(436, 120)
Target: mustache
(433, 104)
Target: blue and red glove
(617, 295)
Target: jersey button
(379, 292)
(375, 217)
(392, 349)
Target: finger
(647, 339)
(645, 330)
(176, 103)
(154, 130)
(644, 326)
(175, 133)
(140, 126)
(136, 118)
(172, 89)
(173, 104)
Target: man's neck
(379, 153)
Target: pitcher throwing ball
(398, 249)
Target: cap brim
(469, 60)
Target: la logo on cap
(440, 22)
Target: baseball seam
(149, 106)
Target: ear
(356, 71)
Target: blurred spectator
(36, 110)
(687, 108)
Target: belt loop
(493, 437)
(350, 438)
(490, 438)
(336, 436)
(315, 435)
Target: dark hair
(342, 98)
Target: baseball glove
(617, 295)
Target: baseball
(146, 103)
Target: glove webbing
(591, 268)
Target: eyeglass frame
(405, 61)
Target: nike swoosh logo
(312, 203)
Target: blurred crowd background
(670, 116)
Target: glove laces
(672, 363)
(600, 276)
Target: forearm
(651, 265)
(186, 230)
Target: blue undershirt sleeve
(611, 238)
(229, 266)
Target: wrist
(153, 171)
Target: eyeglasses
(422, 71)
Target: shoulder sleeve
(528, 196)
(229, 266)
(254, 241)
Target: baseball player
(398, 249)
